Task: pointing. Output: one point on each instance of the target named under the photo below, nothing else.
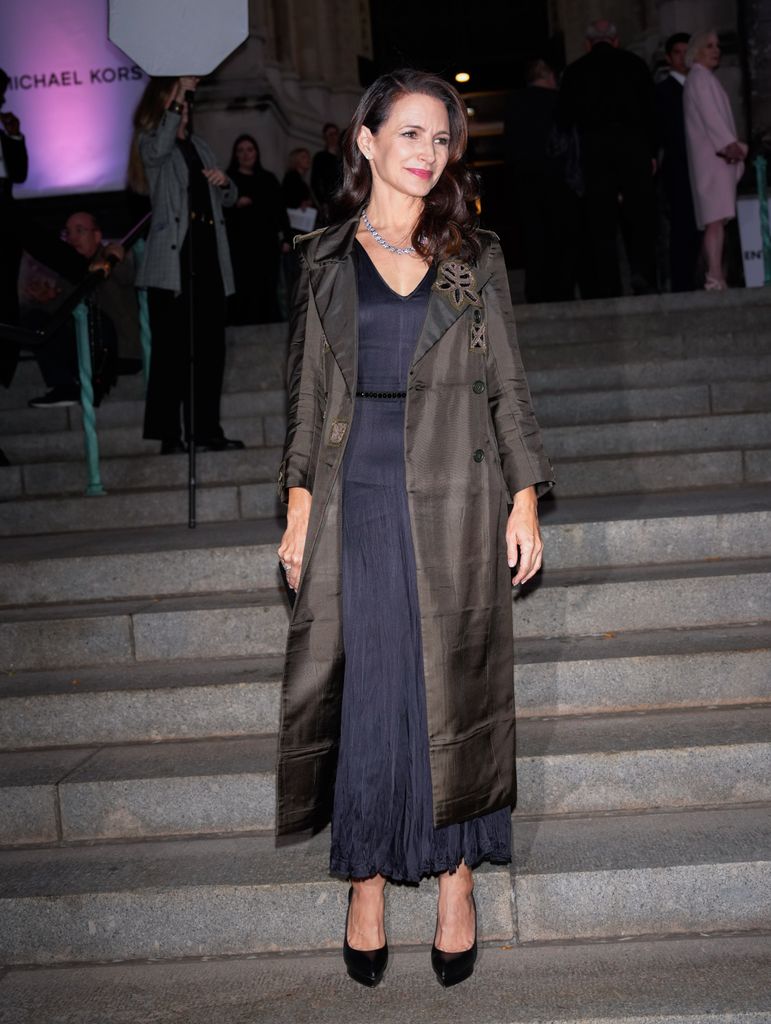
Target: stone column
(297, 69)
(756, 29)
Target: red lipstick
(425, 175)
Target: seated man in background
(115, 314)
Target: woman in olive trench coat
(471, 442)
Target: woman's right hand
(187, 83)
(734, 152)
(292, 545)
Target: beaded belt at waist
(381, 394)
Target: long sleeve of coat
(156, 146)
(707, 110)
(301, 382)
(517, 433)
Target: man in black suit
(684, 236)
(546, 208)
(13, 170)
(608, 94)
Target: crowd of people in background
(592, 157)
(586, 154)
(237, 251)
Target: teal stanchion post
(765, 232)
(90, 440)
(145, 336)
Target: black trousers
(167, 411)
(684, 236)
(547, 214)
(10, 259)
(618, 166)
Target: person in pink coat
(715, 155)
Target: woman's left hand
(215, 176)
(523, 536)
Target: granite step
(732, 382)
(51, 447)
(249, 496)
(565, 603)
(640, 474)
(717, 980)
(566, 765)
(629, 401)
(565, 347)
(30, 516)
(232, 697)
(152, 562)
(629, 435)
(605, 600)
(687, 313)
(734, 371)
(256, 463)
(598, 877)
(119, 411)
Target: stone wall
(644, 25)
(298, 69)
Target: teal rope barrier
(90, 440)
(765, 232)
(145, 337)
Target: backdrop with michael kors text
(73, 91)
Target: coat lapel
(333, 284)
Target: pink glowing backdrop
(77, 124)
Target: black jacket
(670, 128)
(609, 92)
(15, 157)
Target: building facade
(298, 69)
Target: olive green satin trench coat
(471, 441)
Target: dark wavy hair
(244, 137)
(447, 225)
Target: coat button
(477, 316)
(479, 455)
(478, 387)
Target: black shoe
(219, 444)
(55, 398)
(173, 447)
(452, 968)
(364, 965)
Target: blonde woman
(715, 154)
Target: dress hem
(492, 857)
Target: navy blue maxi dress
(382, 821)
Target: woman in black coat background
(258, 230)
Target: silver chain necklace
(405, 250)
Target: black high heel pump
(364, 965)
(453, 968)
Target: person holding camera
(178, 170)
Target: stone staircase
(139, 705)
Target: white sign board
(748, 215)
(178, 37)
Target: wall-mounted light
(462, 76)
(470, 111)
